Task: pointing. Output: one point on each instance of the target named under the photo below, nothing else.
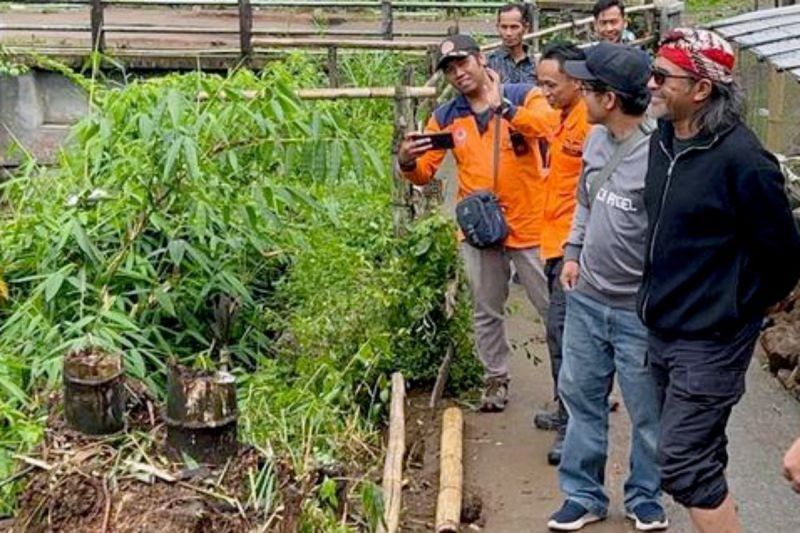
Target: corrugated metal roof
(771, 34)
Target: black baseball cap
(456, 46)
(623, 68)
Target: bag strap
(496, 147)
(645, 128)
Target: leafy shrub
(180, 189)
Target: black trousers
(556, 313)
(698, 383)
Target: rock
(782, 345)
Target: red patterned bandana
(700, 52)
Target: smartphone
(439, 141)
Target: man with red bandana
(722, 247)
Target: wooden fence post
(333, 67)
(387, 20)
(776, 99)
(98, 34)
(669, 15)
(245, 28)
(533, 16)
(402, 191)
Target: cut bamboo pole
(372, 44)
(451, 472)
(365, 92)
(345, 93)
(393, 466)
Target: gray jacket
(608, 235)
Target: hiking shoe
(495, 395)
(548, 421)
(554, 455)
(571, 517)
(649, 516)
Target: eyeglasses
(660, 75)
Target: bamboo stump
(393, 466)
(448, 506)
(201, 415)
(94, 397)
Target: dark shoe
(548, 421)
(495, 395)
(571, 517)
(554, 455)
(649, 516)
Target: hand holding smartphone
(438, 141)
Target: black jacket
(722, 245)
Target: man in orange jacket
(566, 149)
(470, 117)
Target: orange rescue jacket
(561, 180)
(520, 184)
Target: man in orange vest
(564, 168)
(471, 117)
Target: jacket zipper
(672, 162)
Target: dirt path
(505, 457)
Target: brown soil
(117, 483)
(423, 433)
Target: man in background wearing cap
(722, 248)
(603, 261)
(472, 117)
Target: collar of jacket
(462, 104)
(707, 139)
(507, 53)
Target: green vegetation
(165, 202)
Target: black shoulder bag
(479, 215)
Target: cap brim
(459, 54)
(578, 70)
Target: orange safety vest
(520, 184)
(561, 180)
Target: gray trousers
(488, 273)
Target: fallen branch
(33, 462)
(393, 466)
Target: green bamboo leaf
(177, 249)
(83, 241)
(165, 301)
(13, 390)
(190, 154)
(52, 285)
(172, 156)
(175, 106)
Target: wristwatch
(505, 109)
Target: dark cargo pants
(698, 383)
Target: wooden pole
(371, 44)
(366, 92)
(246, 28)
(776, 98)
(451, 472)
(387, 20)
(333, 68)
(96, 21)
(393, 466)
(533, 16)
(402, 192)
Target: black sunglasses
(660, 75)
